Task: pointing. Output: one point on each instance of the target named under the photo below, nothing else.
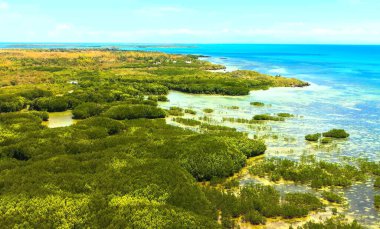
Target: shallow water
(288, 136)
(60, 119)
(360, 198)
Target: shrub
(175, 111)
(123, 112)
(250, 147)
(336, 133)
(210, 127)
(326, 140)
(377, 182)
(257, 104)
(264, 117)
(285, 115)
(187, 122)
(292, 210)
(112, 126)
(161, 98)
(332, 197)
(51, 104)
(377, 201)
(11, 103)
(254, 217)
(35, 93)
(190, 111)
(87, 110)
(208, 110)
(333, 223)
(264, 199)
(210, 156)
(313, 137)
(43, 115)
(305, 200)
(309, 171)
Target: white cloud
(4, 6)
(59, 29)
(292, 34)
(159, 11)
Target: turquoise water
(345, 90)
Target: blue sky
(191, 21)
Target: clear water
(60, 119)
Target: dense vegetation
(336, 133)
(313, 137)
(377, 182)
(333, 223)
(327, 136)
(114, 75)
(332, 197)
(267, 117)
(258, 202)
(310, 171)
(208, 110)
(187, 122)
(257, 104)
(377, 201)
(121, 165)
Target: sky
(191, 21)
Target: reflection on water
(60, 119)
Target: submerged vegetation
(309, 171)
(285, 115)
(187, 122)
(208, 110)
(332, 197)
(257, 104)
(267, 117)
(190, 111)
(176, 111)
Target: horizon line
(183, 43)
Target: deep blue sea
(344, 91)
